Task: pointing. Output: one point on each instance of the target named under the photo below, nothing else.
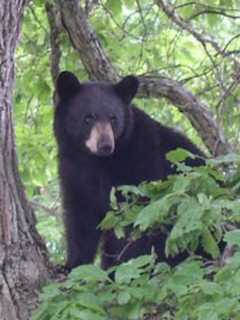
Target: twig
(125, 248)
(50, 211)
(210, 11)
(202, 37)
(90, 5)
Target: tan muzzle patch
(101, 139)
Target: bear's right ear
(67, 85)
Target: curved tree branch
(195, 110)
(99, 66)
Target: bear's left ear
(67, 85)
(127, 88)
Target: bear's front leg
(82, 235)
(85, 205)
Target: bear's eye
(89, 118)
(113, 119)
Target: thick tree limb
(86, 42)
(195, 110)
(99, 66)
(55, 25)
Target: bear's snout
(101, 139)
(105, 146)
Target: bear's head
(92, 116)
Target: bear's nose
(105, 149)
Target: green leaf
(211, 288)
(178, 155)
(209, 244)
(88, 272)
(226, 3)
(186, 274)
(90, 301)
(87, 315)
(206, 312)
(132, 269)
(186, 231)
(181, 184)
(119, 231)
(233, 237)
(109, 221)
(123, 297)
(212, 19)
(114, 6)
(129, 3)
(113, 199)
(156, 211)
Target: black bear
(104, 141)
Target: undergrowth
(203, 206)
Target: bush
(203, 206)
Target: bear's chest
(138, 167)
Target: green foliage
(198, 206)
(33, 104)
(193, 201)
(51, 229)
(49, 220)
(144, 287)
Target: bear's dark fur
(104, 141)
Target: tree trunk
(23, 259)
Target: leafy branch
(201, 36)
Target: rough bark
(23, 260)
(55, 25)
(99, 66)
(86, 42)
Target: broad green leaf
(178, 155)
(132, 269)
(123, 297)
(114, 6)
(109, 221)
(86, 315)
(157, 211)
(88, 273)
(186, 274)
(90, 301)
(233, 237)
(209, 244)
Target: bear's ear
(67, 85)
(127, 88)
